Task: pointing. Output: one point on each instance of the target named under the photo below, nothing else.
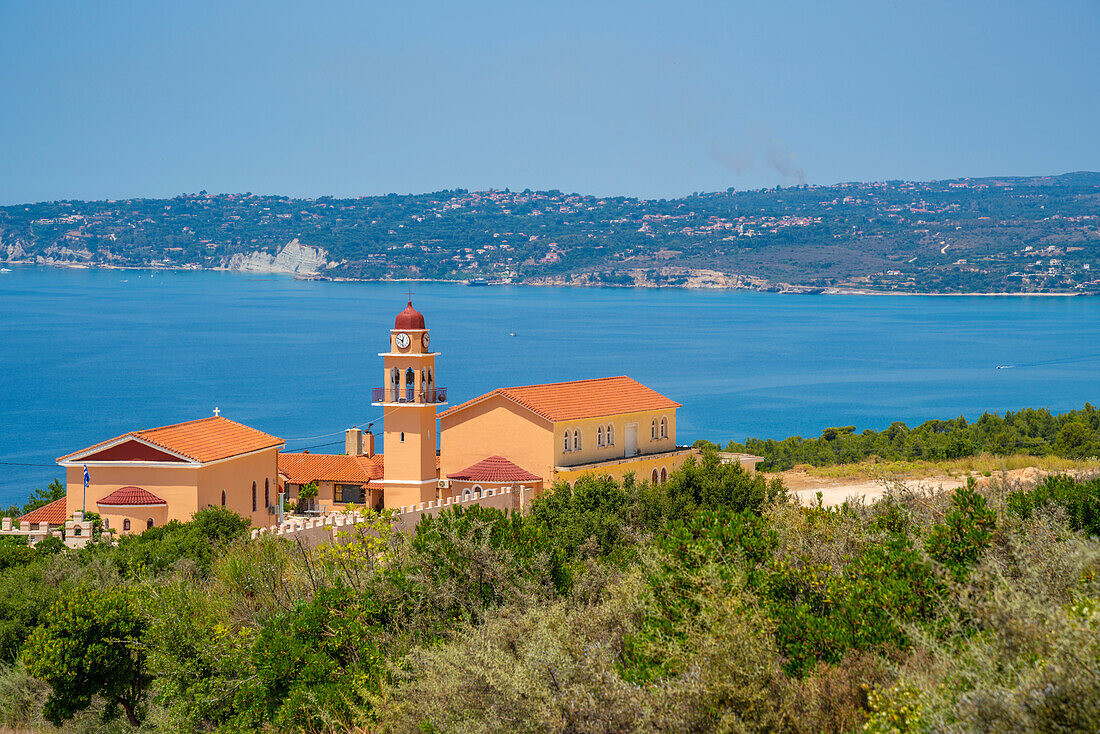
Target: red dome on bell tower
(409, 319)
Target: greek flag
(86, 477)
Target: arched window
(76, 530)
(477, 489)
(267, 495)
(149, 523)
(565, 446)
(576, 440)
(599, 436)
(664, 427)
(653, 479)
(253, 496)
(466, 494)
(126, 524)
(653, 430)
(223, 498)
(610, 434)
(664, 475)
(410, 384)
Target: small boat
(1005, 366)
(477, 282)
(5, 270)
(511, 333)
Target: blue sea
(88, 354)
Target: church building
(145, 478)
(512, 440)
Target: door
(631, 439)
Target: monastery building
(520, 440)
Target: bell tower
(408, 398)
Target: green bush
(1079, 499)
(966, 532)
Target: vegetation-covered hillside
(1039, 234)
(708, 604)
(1074, 434)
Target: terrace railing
(408, 395)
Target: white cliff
(294, 258)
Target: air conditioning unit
(444, 483)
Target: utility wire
(313, 438)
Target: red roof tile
(202, 440)
(304, 468)
(563, 401)
(53, 513)
(131, 496)
(495, 469)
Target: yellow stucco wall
(138, 516)
(641, 465)
(591, 451)
(235, 476)
(495, 426)
(175, 485)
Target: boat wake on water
(1048, 362)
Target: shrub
(90, 645)
(1079, 499)
(966, 532)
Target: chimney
(353, 442)
(368, 443)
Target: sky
(136, 99)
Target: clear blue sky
(107, 99)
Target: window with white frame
(599, 436)
(664, 427)
(576, 440)
(567, 444)
(610, 434)
(653, 430)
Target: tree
(1075, 441)
(90, 646)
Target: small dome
(410, 318)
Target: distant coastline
(778, 288)
(991, 236)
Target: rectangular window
(349, 493)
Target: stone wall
(327, 529)
(77, 530)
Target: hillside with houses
(993, 235)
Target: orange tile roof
(495, 469)
(563, 401)
(304, 468)
(202, 440)
(53, 513)
(131, 497)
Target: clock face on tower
(424, 340)
(402, 341)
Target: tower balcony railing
(408, 395)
